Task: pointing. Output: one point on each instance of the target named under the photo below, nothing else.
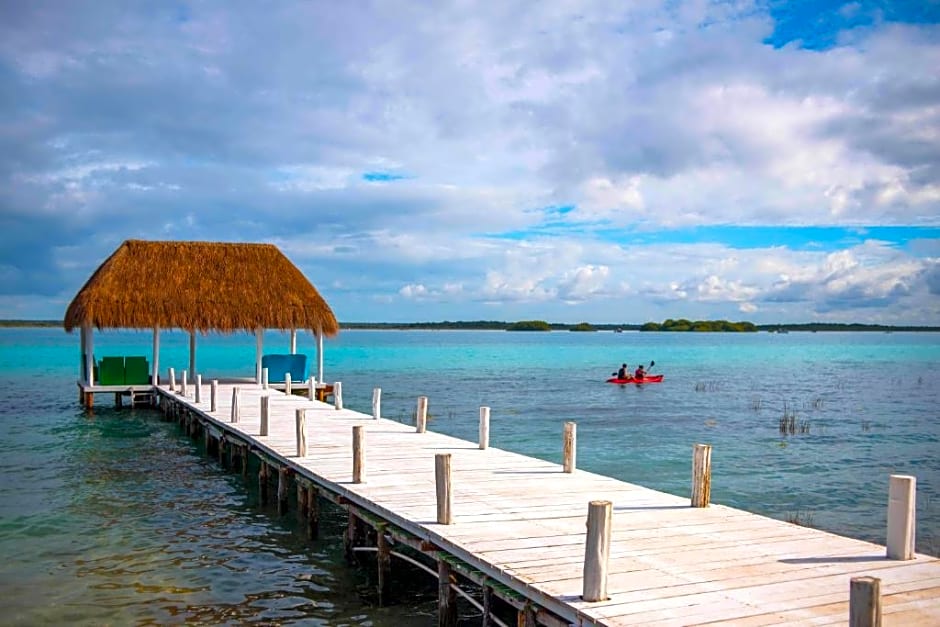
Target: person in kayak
(622, 373)
(640, 372)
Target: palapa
(200, 286)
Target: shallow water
(119, 518)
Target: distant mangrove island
(680, 325)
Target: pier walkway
(519, 523)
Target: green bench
(132, 370)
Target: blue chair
(279, 365)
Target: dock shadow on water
(119, 518)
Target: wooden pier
(518, 527)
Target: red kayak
(650, 378)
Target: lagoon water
(118, 518)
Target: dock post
(221, 450)
(198, 389)
(384, 561)
(443, 486)
(265, 415)
(312, 388)
(301, 500)
(264, 378)
(487, 592)
(351, 537)
(283, 478)
(183, 389)
(313, 512)
(338, 395)
(263, 483)
(902, 504)
(288, 388)
(236, 411)
(376, 403)
(301, 429)
(421, 415)
(597, 550)
(569, 446)
(484, 428)
(446, 596)
(214, 395)
(118, 401)
(701, 475)
(359, 454)
(865, 602)
(172, 380)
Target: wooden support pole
(265, 415)
(701, 475)
(376, 403)
(351, 537)
(359, 454)
(597, 550)
(264, 378)
(384, 561)
(259, 350)
(283, 481)
(313, 512)
(198, 390)
(236, 410)
(222, 444)
(214, 395)
(192, 353)
(183, 387)
(902, 505)
(287, 384)
(484, 428)
(263, 482)
(301, 430)
(446, 595)
(312, 388)
(569, 446)
(319, 335)
(118, 400)
(172, 380)
(421, 415)
(865, 602)
(155, 358)
(526, 616)
(442, 483)
(293, 341)
(487, 592)
(301, 500)
(338, 395)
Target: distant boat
(618, 330)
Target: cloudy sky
(566, 160)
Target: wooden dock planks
(521, 521)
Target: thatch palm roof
(200, 286)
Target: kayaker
(622, 373)
(640, 372)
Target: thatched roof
(199, 286)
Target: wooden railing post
(172, 378)
(338, 395)
(701, 475)
(569, 447)
(865, 602)
(265, 414)
(376, 403)
(264, 378)
(597, 550)
(421, 415)
(312, 388)
(484, 428)
(214, 395)
(236, 410)
(301, 423)
(902, 504)
(287, 384)
(359, 454)
(183, 384)
(442, 484)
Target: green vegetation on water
(541, 325)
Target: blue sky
(604, 161)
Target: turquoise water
(120, 518)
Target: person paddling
(622, 373)
(640, 373)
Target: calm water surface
(118, 518)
